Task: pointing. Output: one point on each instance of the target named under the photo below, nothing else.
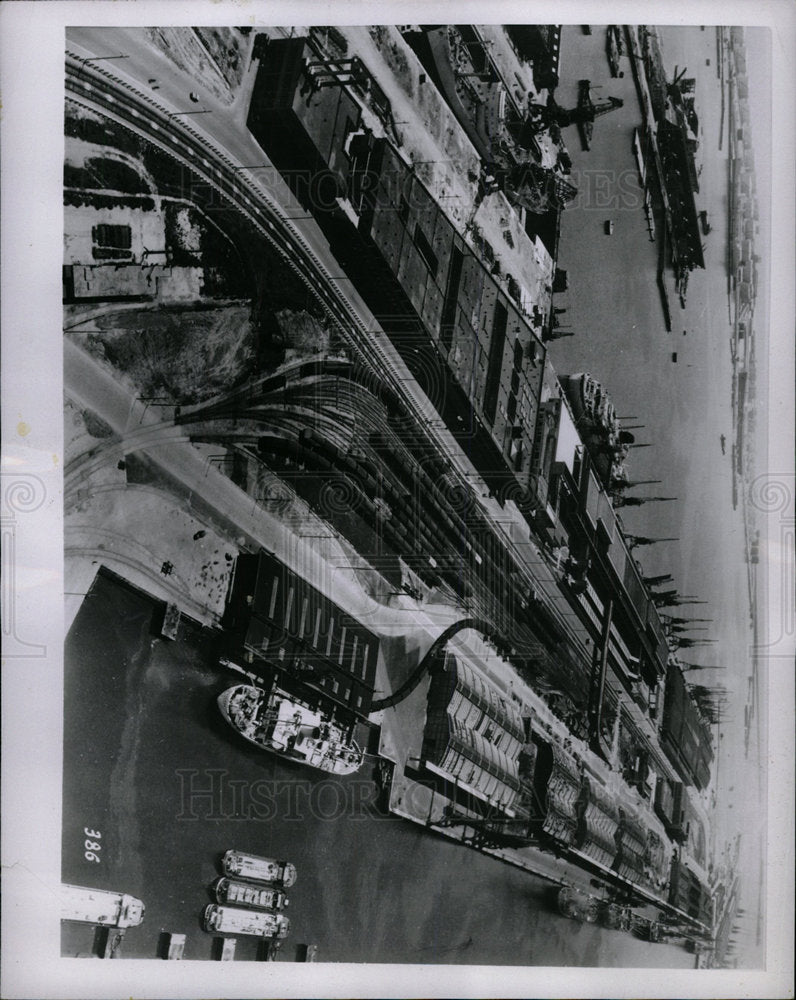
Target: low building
(473, 734)
(685, 735)
(119, 233)
(278, 620)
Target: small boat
(231, 920)
(613, 41)
(239, 864)
(100, 906)
(285, 726)
(257, 897)
(578, 905)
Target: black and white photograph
(424, 501)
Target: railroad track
(96, 88)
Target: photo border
(31, 61)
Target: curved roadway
(94, 86)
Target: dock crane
(634, 540)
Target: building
(685, 735)
(466, 341)
(119, 234)
(473, 734)
(278, 622)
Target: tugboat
(254, 868)
(228, 891)
(578, 905)
(285, 726)
(231, 920)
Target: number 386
(92, 844)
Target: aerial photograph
(415, 419)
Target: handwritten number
(92, 844)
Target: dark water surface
(142, 732)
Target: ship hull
(289, 729)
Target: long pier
(651, 158)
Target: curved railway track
(96, 88)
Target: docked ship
(228, 891)
(285, 726)
(100, 906)
(254, 868)
(232, 920)
(599, 426)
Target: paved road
(141, 725)
(226, 132)
(163, 441)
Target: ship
(100, 906)
(283, 725)
(267, 897)
(599, 426)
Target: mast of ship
(634, 540)
(669, 598)
(683, 621)
(620, 484)
(621, 501)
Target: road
(218, 157)
(370, 887)
(228, 147)
(220, 154)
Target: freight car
(463, 338)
